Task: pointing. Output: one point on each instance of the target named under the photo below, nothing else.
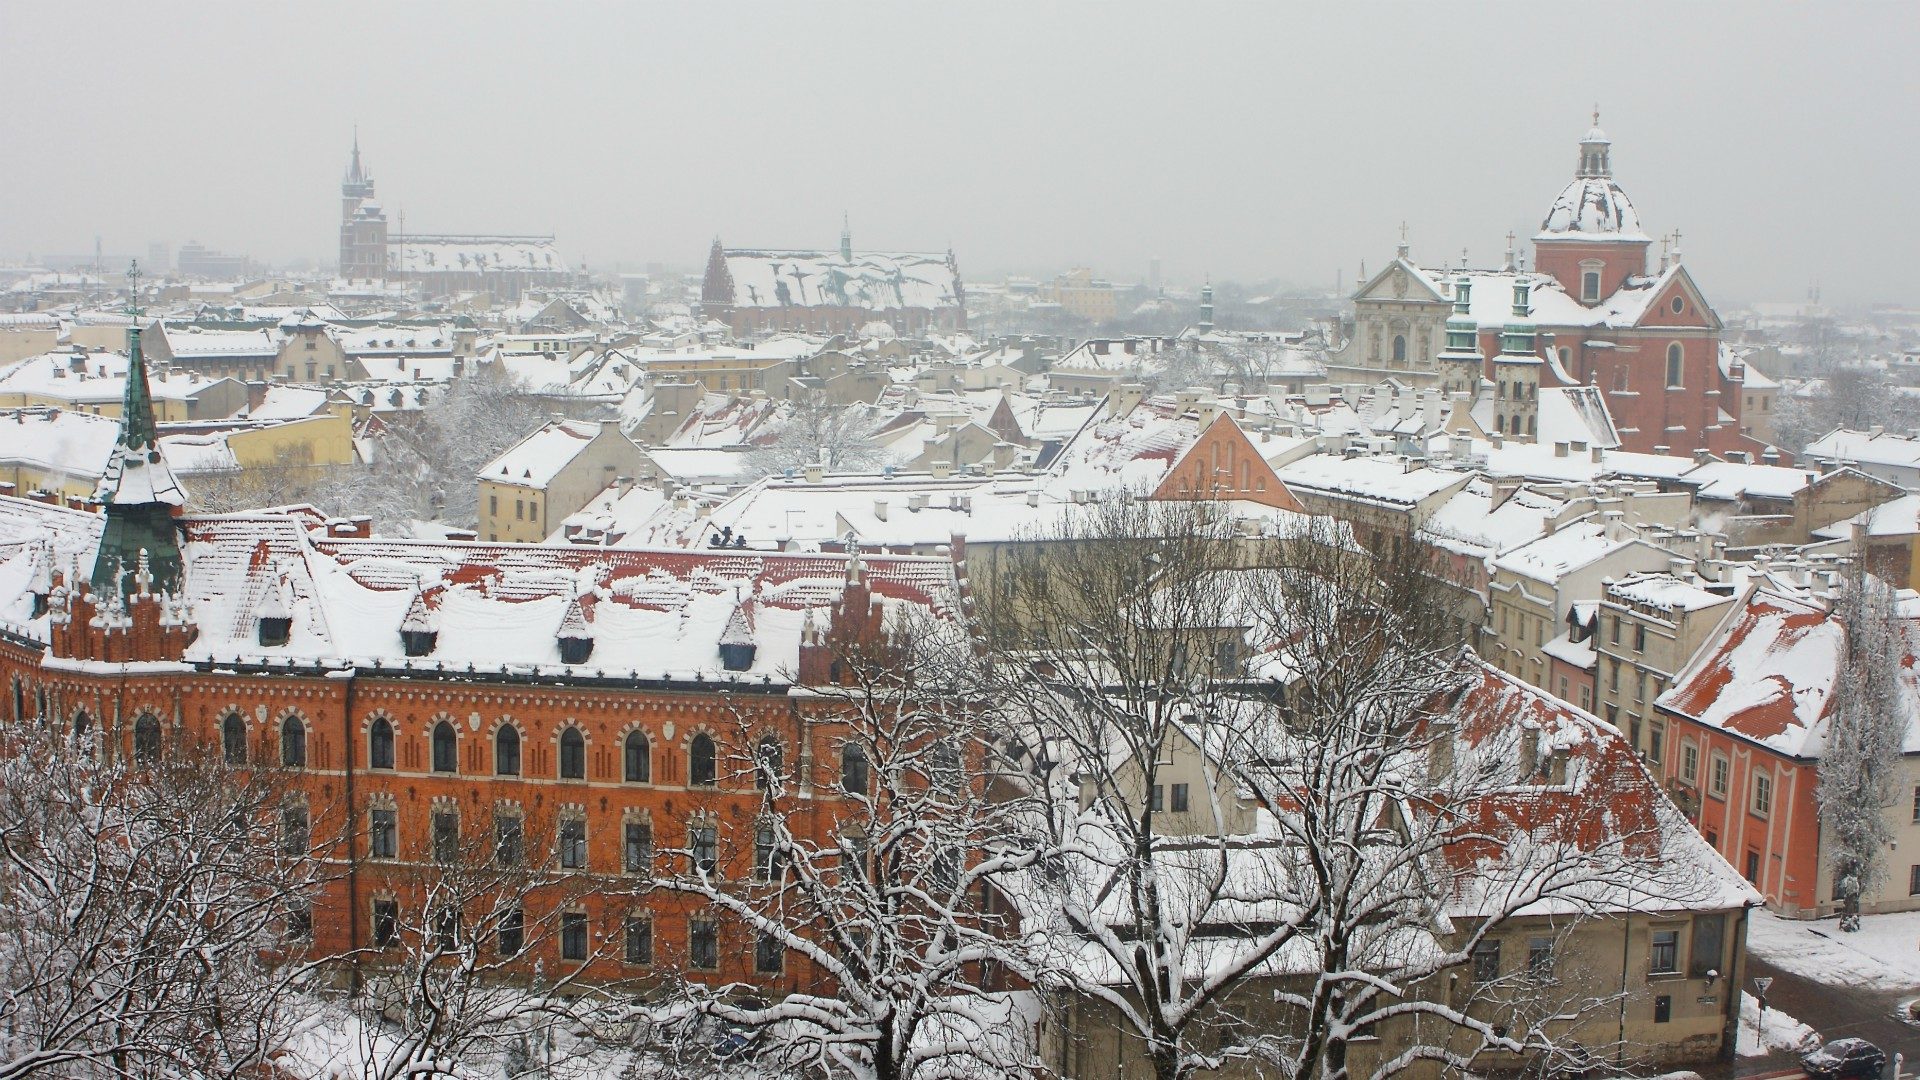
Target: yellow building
(528, 489)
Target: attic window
(1679, 305)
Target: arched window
(82, 724)
(146, 738)
(506, 751)
(637, 758)
(293, 742)
(380, 744)
(943, 768)
(233, 739)
(770, 758)
(700, 759)
(573, 755)
(1399, 348)
(1500, 425)
(1674, 357)
(853, 769)
(446, 747)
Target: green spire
(138, 548)
(136, 411)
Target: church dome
(1593, 208)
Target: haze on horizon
(1246, 142)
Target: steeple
(353, 173)
(139, 489)
(846, 238)
(1206, 305)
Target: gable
(1401, 281)
(1224, 464)
(1694, 314)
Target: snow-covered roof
(1869, 447)
(651, 614)
(1665, 592)
(58, 440)
(101, 379)
(1471, 524)
(1901, 517)
(1592, 208)
(1383, 480)
(1768, 676)
(1564, 550)
(535, 460)
(1731, 480)
(1132, 451)
(193, 342)
(875, 280)
(487, 254)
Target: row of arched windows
(636, 751)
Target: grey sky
(1248, 140)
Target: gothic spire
(139, 489)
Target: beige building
(1534, 586)
(1082, 295)
(1650, 627)
(528, 489)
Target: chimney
(917, 501)
(1560, 449)
(1599, 455)
(941, 470)
(1702, 455)
(880, 509)
(1498, 440)
(1033, 498)
(816, 471)
(622, 485)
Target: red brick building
(590, 703)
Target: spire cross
(1403, 230)
(133, 287)
(1596, 114)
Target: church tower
(1459, 364)
(363, 224)
(1516, 371)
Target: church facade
(1593, 312)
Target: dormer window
(1590, 286)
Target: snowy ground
(1782, 1032)
(1884, 954)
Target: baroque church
(1592, 317)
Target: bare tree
(1271, 794)
(1850, 396)
(1860, 768)
(291, 477)
(810, 429)
(148, 910)
(460, 970)
(883, 919)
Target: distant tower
(1459, 363)
(1206, 306)
(363, 224)
(846, 239)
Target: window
(1689, 762)
(1399, 348)
(293, 742)
(506, 751)
(519, 510)
(1157, 801)
(380, 745)
(1656, 743)
(1762, 803)
(446, 836)
(446, 930)
(1709, 932)
(573, 936)
(446, 746)
(769, 957)
(1666, 952)
(637, 758)
(233, 745)
(493, 504)
(1674, 357)
(573, 755)
(1913, 881)
(1486, 961)
(299, 920)
(1179, 803)
(1753, 867)
(82, 723)
(383, 841)
(1916, 803)
(1662, 1008)
(512, 935)
(386, 923)
(573, 843)
(769, 761)
(509, 839)
(766, 851)
(703, 944)
(1678, 305)
(703, 841)
(700, 759)
(293, 829)
(146, 738)
(1640, 638)
(637, 847)
(1540, 958)
(1717, 776)
(1590, 285)
(1616, 620)
(853, 769)
(639, 940)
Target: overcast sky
(1250, 141)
